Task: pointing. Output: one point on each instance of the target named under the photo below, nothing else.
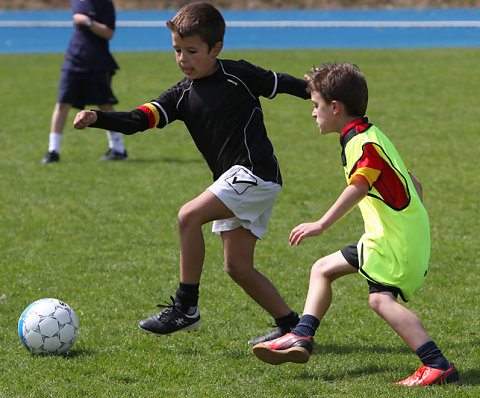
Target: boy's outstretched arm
(123, 122)
(347, 200)
(292, 85)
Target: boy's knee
(232, 271)
(374, 302)
(319, 268)
(186, 216)
(236, 272)
(378, 301)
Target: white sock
(55, 139)
(115, 141)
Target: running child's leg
(436, 368)
(297, 345)
(407, 325)
(323, 273)
(204, 208)
(239, 246)
(183, 313)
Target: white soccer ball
(48, 326)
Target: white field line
(265, 24)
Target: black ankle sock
(287, 322)
(186, 296)
(430, 355)
(307, 326)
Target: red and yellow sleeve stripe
(152, 113)
(368, 173)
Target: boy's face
(193, 57)
(324, 113)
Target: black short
(350, 253)
(86, 88)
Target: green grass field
(103, 237)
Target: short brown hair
(201, 19)
(342, 82)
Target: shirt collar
(359, 124)
(351, 129)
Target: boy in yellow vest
(394, 251)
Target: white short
(249, 197)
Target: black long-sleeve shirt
(222, 113)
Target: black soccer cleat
(281, 331)
(171, 319)
(51, 157)
(114, 155)
(269, 336)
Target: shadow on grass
(319, 349)
(361, 369)
(80, 352)
(470, 377)
(165, 159)
(347, 374)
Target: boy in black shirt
(218, 100)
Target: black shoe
(114, 155)
(50, 157)
(282, 330)
(171, 320)
(269, 336)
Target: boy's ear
(337, 107)
(217, 48)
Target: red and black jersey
(222, 113)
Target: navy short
(86, 88)
(350, 253)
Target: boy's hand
(84, 119)
(305, 230)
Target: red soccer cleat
(427, 376)
(288, 348)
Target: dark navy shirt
(222, 113)
(87, 51)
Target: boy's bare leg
(407, 325)
(436, 368)
(323, 273)
(204, 208)
(297, 346)
(326, 270)
(239, 246)
(59, 117)
(184, 315)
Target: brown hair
(200, 19)
(342, 82)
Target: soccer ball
(48, 326)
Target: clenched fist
(84, 119)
